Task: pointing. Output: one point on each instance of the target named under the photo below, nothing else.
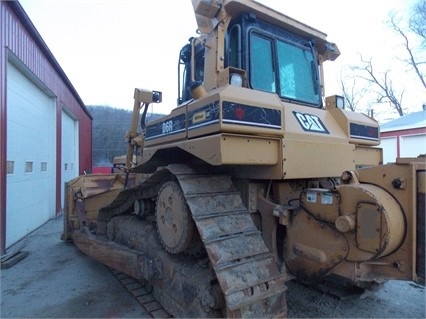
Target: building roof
(406, 122)
(26, 21)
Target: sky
(107, 48)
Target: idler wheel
(173, 217)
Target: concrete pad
(56, 280)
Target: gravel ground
(395, 299)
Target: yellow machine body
(254, 178)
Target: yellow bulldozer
(254, 179)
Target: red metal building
(404, 136)
(45, 128)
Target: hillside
(109, 128)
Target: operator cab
(275, 60)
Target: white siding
(31, 138)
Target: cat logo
(310, 123)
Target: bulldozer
(255, 178)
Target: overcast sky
(107, 48)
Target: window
(198, 64)
(10, 167)
(261, 64)
(279, 65)
(29, 167)
(297, 73)
(43, 166)
(235, 46)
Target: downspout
(3, 135)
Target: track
(142, 294)
(246, 270)
(247, 273)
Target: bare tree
(382, 86)
(380, 82)
(352, 92)
(417, 23)
(413, 59)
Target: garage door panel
(31, 137)
(389, 146)
(69, 167)
(413, 145)
(20, 192)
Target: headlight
(236, 80)
(335, 101)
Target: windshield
(285, 68)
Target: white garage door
(70, 167)
(31, 149)
(389, 149)
(413, 145)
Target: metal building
(45, 128)
(404, 136)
